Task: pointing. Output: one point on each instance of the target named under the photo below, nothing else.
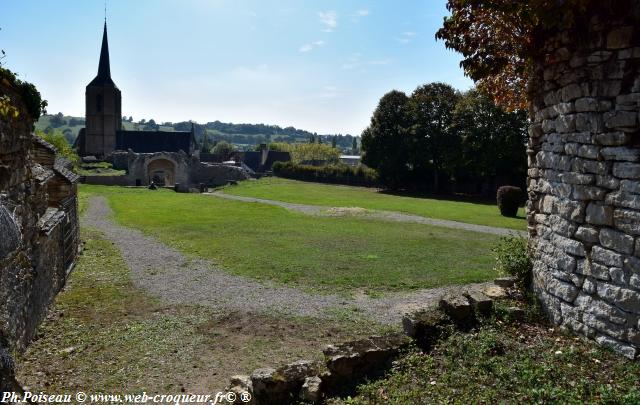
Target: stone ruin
(39, 233)
(584, 179)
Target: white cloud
(355, 62)
(329, 19)
(363, 12)
(406, 37)
(309, 47)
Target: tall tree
(385, 143)
(433, 142)
(493, 141)
(354, 146)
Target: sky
(318, 65)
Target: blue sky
(316, 65)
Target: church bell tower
(103, 108)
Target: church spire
(104, 68)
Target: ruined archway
(162, 172)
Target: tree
(206, 146)
(354, 146)
(385, 145)
(56, 121)
(224, 149)
(314, 152)
(492, 140)
(500, 39)
(433, 143)
(334, 141)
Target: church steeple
(104, 68)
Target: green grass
(105, 335)
(331, 254)
(274, 188)
(507, 364)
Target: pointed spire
(104, 68)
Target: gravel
(164, 272)
(374, 214)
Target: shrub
(512, 259)
(336, 174)
(509, 199)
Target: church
(162, 157)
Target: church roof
(104, 69)
(155, 141)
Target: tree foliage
(224, 150)
(385, 143)
(500, 39)
(439, 135)
(313, 152)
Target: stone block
(630, 186)
(310, 391)
(593, 269)
(620, 38)
(481, 303)
(457, 307)
(587, 234)
(565, 123)
(623, 298)
(606, 256)
(590, 166)
(495, 292)
(589, 286)
(627, 351)
(622, 199)
(618, 276)
(620, 119)
(608, 182)
(588, 193)
(599, 57)
(620, 153)
(598, 214)
(626, 170)
(586, 104)
(627, 221)
(613, 138)
(570, 92)
(618, 241)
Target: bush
(512, 259)
(335, 174)
(509, 199)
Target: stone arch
(161, 171)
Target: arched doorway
(162, 172)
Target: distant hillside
(245, 136)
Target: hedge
(334, 174)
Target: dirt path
(375, 214)
(164, 272)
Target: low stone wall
(108, 180)
(584, 180)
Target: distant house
(351, 160)
(262, 161)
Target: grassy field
(274, 188)
(104, 335)
(321, 253)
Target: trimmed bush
(333, 174)
(512, 259)
(509, 199)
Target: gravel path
(375, 214)
(163, 271)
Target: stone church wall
(584, 181)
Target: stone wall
(584, 180)
(36, 229)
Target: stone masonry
(584, 180)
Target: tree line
(441, 140)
